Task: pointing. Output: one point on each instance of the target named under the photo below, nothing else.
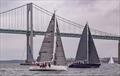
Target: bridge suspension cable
(13, 9)
(95, 31)
(16, 18)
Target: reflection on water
(13, 69)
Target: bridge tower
(29, 34)
(119, 52)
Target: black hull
(26, 64)
(75, 65)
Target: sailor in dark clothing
(49, 64)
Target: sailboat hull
(52, 68)
(76, 65)
(27, 64)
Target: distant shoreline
(69, 60)
(11, 61)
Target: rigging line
(13, 9)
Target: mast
(54, 40)
(87, 43)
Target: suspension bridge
(31, 20)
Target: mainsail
(46, 51)
(82, 47)
(86, 50)
(60, 58)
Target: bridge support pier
(29, 34)
(119, 52)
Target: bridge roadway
(12, 31)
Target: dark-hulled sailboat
(47, 55)
(86, 56)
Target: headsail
(46, 51)
(60, 58)
(93, 56)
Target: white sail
(111, 61)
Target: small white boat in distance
(111, 61)
(52, 68)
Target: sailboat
(111, 61)
(86, 56)
(51, 59)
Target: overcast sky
(100, 14)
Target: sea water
(14, 69)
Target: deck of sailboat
(51, 50)
(78, 65)
(52, 68)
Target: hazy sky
(101, 14)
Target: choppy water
(13, 69)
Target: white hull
(52, 68)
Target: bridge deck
(62, 34)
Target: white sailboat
(50, 59)
(111, 61)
